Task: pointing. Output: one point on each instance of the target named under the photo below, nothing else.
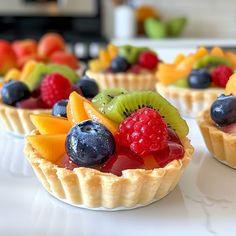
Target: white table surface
(203, 204)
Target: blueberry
(89, 143)
(59, 108)
(14, 91)
(88, 87)
(223, 110)
(119, 64)
(199, 79)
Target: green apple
(175, 26)
(155, 29)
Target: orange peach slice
(77, 112)
(47, 124)
(94, 114)
(201, 52)
(216, 51)
(50, 147)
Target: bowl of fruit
(218, 125)
(194, 81)
(121, 150)
(128, 67)
(36, 90)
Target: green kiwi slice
(210, 61)
(102, 100)
(123, 106)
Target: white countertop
(203, 204)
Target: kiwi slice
(63, 70)
(123, 106)
(102, 100)
(210, 61)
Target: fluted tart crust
(91, 188)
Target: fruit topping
(119, 64)
(59, 108)
(181, 83)
(223, 110)
(144, 131)
(172, 136)
(89, 143)
(88, 87)
(75, 108)
(220, 75)
(14, 91)
(104, 97)
(209, 61)
(47, 124)
(199, 79)
(174, 151)
(31, 103)
(230, 87)
(123, 159)
(148, 60)
(65, 162)
(94, 114)
(50, 147)
(55, 87)
(124, 105)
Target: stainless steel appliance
(79, 21)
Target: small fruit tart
(123, 149)
(193, 82)
(218, 125)
(36, 90)
(128, 67)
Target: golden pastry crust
(128, 81)
(222, 145)
(16, 120)
(92, 188)
(189, 101)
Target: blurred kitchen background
(166, 26)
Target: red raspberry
(144, 131)
(148, 60)
(220, 75)
(54, 87)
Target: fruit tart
(218, 125)
(122, 149)
(193, 82)
(36, 90)
(128, 67)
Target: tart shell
(128, 81)
(94, 189)
(220, 144)
(189, 101)
(17, 121)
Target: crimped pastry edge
(16, 120)
(220, 144)
(94, 189)
(189, 101)
(128, 81)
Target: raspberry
(54, 87)
(220, 75)
(144, 131)
(148, 60)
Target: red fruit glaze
(220, 75)
(136, 69)
(123, 159)
(174, 151)
(172, 136)
(230, 129)
(65, 162)
(148, 60)
(55, 87)
(144, 131)
(31, 103)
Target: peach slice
(50, 147)
(47, 124)
(216, 51)
(232, 58)
(201, 52)
(77, 112)
(94, 114)
(180, 57)
(231, 85)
